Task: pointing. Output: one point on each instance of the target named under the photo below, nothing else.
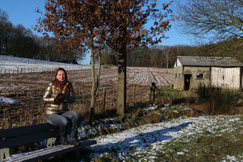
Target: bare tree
(213, 18)
(130, 24)
(122, 24)
(167, 52)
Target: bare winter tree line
(155, 56)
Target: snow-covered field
(10, 64)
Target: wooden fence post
(91, 120)
(104, 98)
(152, 94)
(134, 96)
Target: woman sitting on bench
(58, 95)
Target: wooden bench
(10, 138)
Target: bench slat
(9, 142)
(13, 132)
(49, 152)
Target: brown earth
(28, 88)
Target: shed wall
(194, 71)
(227, 78)
(178, 78)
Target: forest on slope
(21, 42)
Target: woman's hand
(66, 99)
(59, 98)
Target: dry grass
(29, 89)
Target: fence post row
(104, 99)
(134, 96)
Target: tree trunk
(92, 103)
(104, 99)
(167, 62)
(121, 85)
(98, 75)
(95, 85)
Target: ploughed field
(28, 89)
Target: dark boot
(63, 141)
(74, 142)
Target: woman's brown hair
(57, 83)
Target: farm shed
(223, 72)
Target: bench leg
(5, 152)
(51, 142)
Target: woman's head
(61, 75)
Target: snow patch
(10, 64)
(180, 153)
(6, 100)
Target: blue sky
(23, 12)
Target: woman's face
(60, 75)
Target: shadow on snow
(140, 141)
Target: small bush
(217, 101)
(222, 101)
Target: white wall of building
(228, 78)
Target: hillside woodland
(21, 42)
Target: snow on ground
(10, 64)
(232, 158)
(6, 100)
(146, 140)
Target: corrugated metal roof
(209, 61)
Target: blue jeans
(66, 121)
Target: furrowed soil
(28, 89)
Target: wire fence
(19, 70)
(16, 65)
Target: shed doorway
(187, 81)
